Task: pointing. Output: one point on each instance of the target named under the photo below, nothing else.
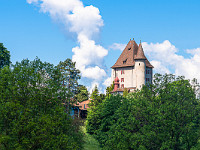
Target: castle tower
(132, 68)
(140, 67)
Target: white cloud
(92, 86)
(85, 22)
(88, 52)
(164, 56)
(117, 46)
(107, 82)
(158, 67)
(94, 73)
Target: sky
(94, 33)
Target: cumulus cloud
(92, 86)
(117, 46)
(158, 67)
(85, 22)
(166, 59)
(107, 82)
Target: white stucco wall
(140, 68)
(134, 77)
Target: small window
(147, 79)
(129, 48)
(124, 62)
(139, 64)
(122, 86)
(122, 71)
(122, 79)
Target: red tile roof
(129, 54)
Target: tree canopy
(164, 115)
(4, 56)
(32, 112)
(82, 94)
(96, 98)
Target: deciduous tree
(32, 113)
(4, 56)
(82, 94)
(164, 115)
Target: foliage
(96, 98)
(90, 143)
(109, 89)
(32, 114)
(125, 93)
(162, 116)
(70, 75)
(82, 94)
(100, 118)
(4, 56)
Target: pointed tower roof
(140, 53)
(131, 53)
(127, 56)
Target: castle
(132, 69)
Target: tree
(96, 98)
(125, 93)
(4, 56)
(100, 117)
(164, 115)
(32, 113)
(82, 94)
(109, 89)
(70, 77)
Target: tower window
(139, 64)
(124, 62)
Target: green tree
(32, 113)
(4, 56)
(109, 89)
(125, 93)
(164, 115)
(100, 118)
(70, 77)
(82, 94)
(95, 96)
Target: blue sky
(169, 29)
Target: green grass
(90, 142)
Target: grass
(90, 142)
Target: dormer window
(124, 62)
(129, 48)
